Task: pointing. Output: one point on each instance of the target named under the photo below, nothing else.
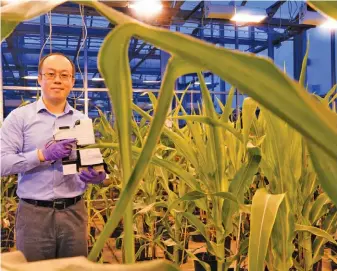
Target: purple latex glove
(58, 150)
(92, 176)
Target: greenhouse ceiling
(21, 51)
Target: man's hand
(57, 150)
(92, 176)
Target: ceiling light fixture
(248, 18)
(240, 14)
(97, 79)
(151, 82)
(329, 24)
(198, 83)
(30, 77)
(146, 8)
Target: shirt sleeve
(13, 160)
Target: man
(51, 218)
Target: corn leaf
(201, 228)
(304, 66)
(326, 169)
(264, 210)
(319, 208)
(15, 12)
(330, 226)
(228, 107)
(326, 98)
(316, 231)
(194, 195)
(248, 114)
(240, 183)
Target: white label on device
(69, 169)
(91, 157)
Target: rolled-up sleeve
(13, 160)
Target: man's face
(56, 89)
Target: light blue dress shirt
(25, 130)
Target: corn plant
(257, 77)
(290, 173)
(8, 208)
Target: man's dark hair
(53, 54)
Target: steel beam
(143, 59)
(333, 58)
(271, 10)
(333, 63)
(68, 51)
(270, 45)
(196, 8)
(299, 52)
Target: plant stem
(177, 239)
(128, 243)
(219, 235)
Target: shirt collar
(40, 107)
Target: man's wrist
(40, 155)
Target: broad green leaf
(248, 114)
(304, 66)
(330, 226)
(240, 183)
(319, 208)
(244, 176)
(152, 98)
(194, 195)
(333, 98)
(7, 28)
(264, 210)
(215, 151)
(226, 195)
(201, 228)
(228, 107)
(17, 11)
(326, 98)
(326, 169)
(115, 56)
(316, 231)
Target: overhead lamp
(97, 79)
(146, 8)
(151, 82)
(329, 24)
(30, 77)
(309, 16)
(248, 18)
(251, 15)
(240, 14)
(198, 83)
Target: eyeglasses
(52, 75)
